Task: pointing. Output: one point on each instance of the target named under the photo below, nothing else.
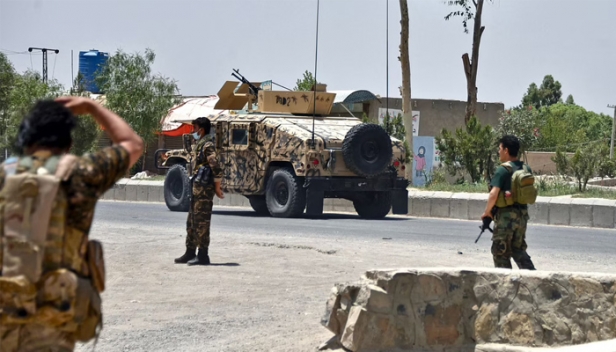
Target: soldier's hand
(219, 192)
(77, 105)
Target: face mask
(196, 136)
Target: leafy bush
(471, 149)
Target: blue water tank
(89, 63)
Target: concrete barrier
(465, 309)
(581, 212)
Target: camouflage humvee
(285, 161)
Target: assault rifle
(486, 224)
(253, 89)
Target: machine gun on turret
(253, 90)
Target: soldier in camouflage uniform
(509, 238)
(200, 212)
(46, 132)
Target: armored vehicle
(281, 151)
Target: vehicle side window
(239, 136)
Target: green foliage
(306, 83)
(588, 161)
(467, 12)
(26, 90)
(548, 94)
(136, 94)
(522, 123)
(568, 126)
(570, 100)
(471, 149)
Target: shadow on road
(326, 216)
(224, 264)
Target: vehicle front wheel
(373, 205)
(285, 197)
(177, 189)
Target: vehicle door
(242, 159)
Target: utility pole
(613, 131)
(44, 50)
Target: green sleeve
(499, 177)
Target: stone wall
(462, 310)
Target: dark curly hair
(49, 124)
(203, 122)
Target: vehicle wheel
(259, 205)
(373, 205)
(367, 150)
(285, 197)
(177, 189)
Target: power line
(44, 50)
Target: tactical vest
(42, 280)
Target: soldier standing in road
(52, 275)
(509, 238)
(206, 182)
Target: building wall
(436, 114)
(541, 162)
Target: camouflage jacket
(92, 176)
(206, 154)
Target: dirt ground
(266, 291)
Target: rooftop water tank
(89, 63)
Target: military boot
(201, 259)
(190, 254)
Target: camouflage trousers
(509, 238)
(199, 216)
(33, 337)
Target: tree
(548, 94)
(133, 92)
(405, 91)
(568, 126)
(522, 123)
(570, 100)
(7, 79)
(306, 83)
(585, 163)
(470, 66)
(471, 149)
(28, 88)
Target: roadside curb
(579, 212)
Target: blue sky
(198, 43)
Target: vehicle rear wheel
(284, 195)
(258, 204)
(367, 150)
(177, 189)
(373, 205)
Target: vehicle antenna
(314, 98)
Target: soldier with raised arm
(51, 273)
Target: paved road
(580, 243)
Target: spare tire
(367, 150)
(177, 189)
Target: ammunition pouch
(502, 201)
(96, 264)
(63, 300)
(204, 176)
